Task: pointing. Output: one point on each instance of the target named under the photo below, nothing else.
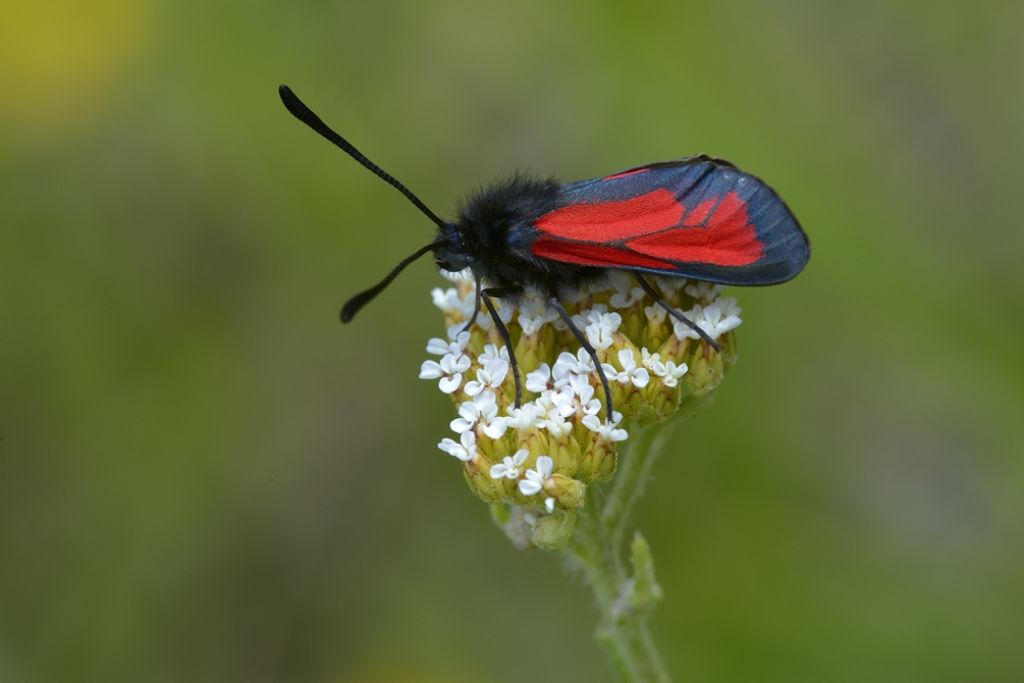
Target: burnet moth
(698, 217)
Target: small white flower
(439, 347)
(590, 315)
(524, 417)
(670, 286)
(490, 376)
(549, 504)
(534, 480)
(565, 398)
(554, 407)
(715, 319)
(483, 411)
(655, 313)
(506, 311)
(448, 371)
(684, 331)
(455, 329)
(620, 300)
(626, 294)
(580, 386)
(534, 313)
(568, 364)
(559, 400)
(668, 371)
(608, 430)
(465, 450)
(630, 374)
(727, 316)
(705, 292)
(556, 427)
(449, 301)
(583, 390)
(508, 468)
(540, 379)
(600, 332)
(492, 352)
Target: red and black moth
(699, 218)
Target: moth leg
(585, 343)
(646, 286)
(498, 292)
(476, 309)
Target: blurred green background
(204, 477)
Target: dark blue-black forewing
(698, 217)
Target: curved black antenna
(352, 306)
(306, 115)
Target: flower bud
(706, 370)
(567, 492)
(534, 349)
(566, 454)
(480, 481)
(598, 462)
(553, 532)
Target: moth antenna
(352, 306)
(303, 113)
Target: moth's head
(451, 254)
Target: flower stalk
(624, 596)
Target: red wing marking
(611, 221)
(727, 238)
(699, 213)
(615, 176)
(594, 255)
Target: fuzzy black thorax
(493, 234)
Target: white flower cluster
(562, 393)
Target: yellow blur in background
(60, 60)
(204, 476)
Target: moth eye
(454, 237)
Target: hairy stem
(597, 553)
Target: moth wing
(699, 217)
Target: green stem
(592, 555)
(597, 552)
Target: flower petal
(529, 487)
(496, 428)
(437, 347)
(430, 370)
(544, 465)
(450, 384)
(640, 378)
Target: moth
(698, 217)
